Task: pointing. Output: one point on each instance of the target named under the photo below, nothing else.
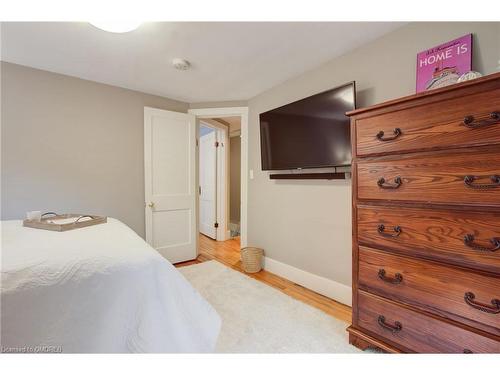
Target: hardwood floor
(228, 253)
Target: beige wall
(307, 224)
(234, 179)
(70, 145)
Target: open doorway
(231, 124)
(219, 177)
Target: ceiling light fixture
(116, 26)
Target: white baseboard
(329, 288)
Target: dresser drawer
(467, 177)
(417, 332)
(469, 238)
(433, 126)
(457, 294)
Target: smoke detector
(181, 64)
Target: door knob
(151, 204)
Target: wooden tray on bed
(61, 223)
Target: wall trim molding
(329, 288)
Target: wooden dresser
(426, 221)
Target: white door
(169, 164)
(208, 187)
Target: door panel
(169, 139)
(208, 187)
(169, 163)
(177, 222)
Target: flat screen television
(310, 133)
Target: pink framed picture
(442, 65)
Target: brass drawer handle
(469, 182)
(393, 328)
(469, 241)
(380, 135)
(494, 308)
(382, 183)
(381, 231)
(398, 278)
(470, 122)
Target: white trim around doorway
(207, 113)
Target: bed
(99, 289)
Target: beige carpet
(257, 318)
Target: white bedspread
(97, 289)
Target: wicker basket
(251, 258)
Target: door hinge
(216, 225)
(216, 144)
(197, 143)
(199, 190)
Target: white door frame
(242, 112)
(222, 176)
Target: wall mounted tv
(310, 133)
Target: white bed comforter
(97, 289)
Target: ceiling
(230, 61)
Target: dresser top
(422, 96)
